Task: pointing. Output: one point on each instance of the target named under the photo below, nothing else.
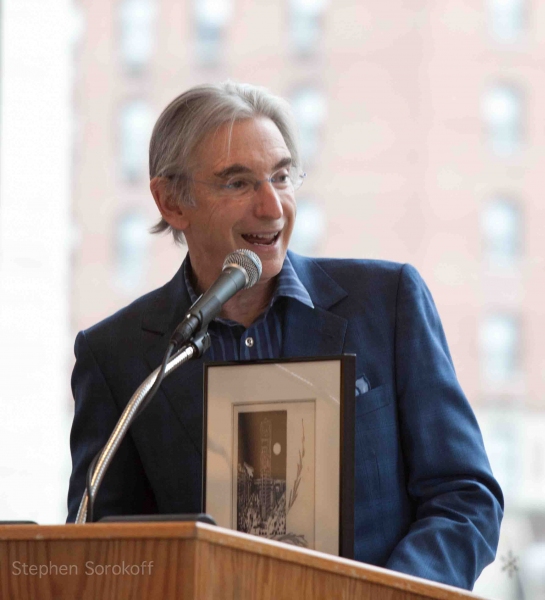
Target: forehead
(253, 143)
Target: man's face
(221, 222)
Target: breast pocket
(379, 466)
(378, 397)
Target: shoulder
(121, 327)
(357, 273)
(130, 314)
(357, 286)
(348, 267)
(152, 312)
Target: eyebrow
(237, 168)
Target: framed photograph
(278, 456)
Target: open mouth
(261, 239)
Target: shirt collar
(288, 284)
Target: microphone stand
(194, 349)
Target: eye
(237, 185)
(281, 178)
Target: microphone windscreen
(249, 261)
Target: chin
(271, 268)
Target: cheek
(290, 210)
(218, 217)
(226, 218)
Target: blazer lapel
(317, 331)
(312, 332)
(182, 389)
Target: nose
(267, 202)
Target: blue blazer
(426, 502)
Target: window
(500, 348)
(306, 25)
(502, 231)
(212, 17)
(132, 243)
(309, 107)
(136, 126)
(503, 432)
(137, 19)
(506, 19)
(310, 227)
(502, 109)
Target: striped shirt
(263, 339)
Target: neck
(245, 306)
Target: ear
(171, 210)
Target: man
(224, 167)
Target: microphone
(241, 270)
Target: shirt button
(249, 342)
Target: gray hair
(203, 109)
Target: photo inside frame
(273, 492)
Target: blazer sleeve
(125, 489)
(459, 504)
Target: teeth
(266, 236)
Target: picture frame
(278, 449)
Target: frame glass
(278, 456)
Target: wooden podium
(185, 561)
